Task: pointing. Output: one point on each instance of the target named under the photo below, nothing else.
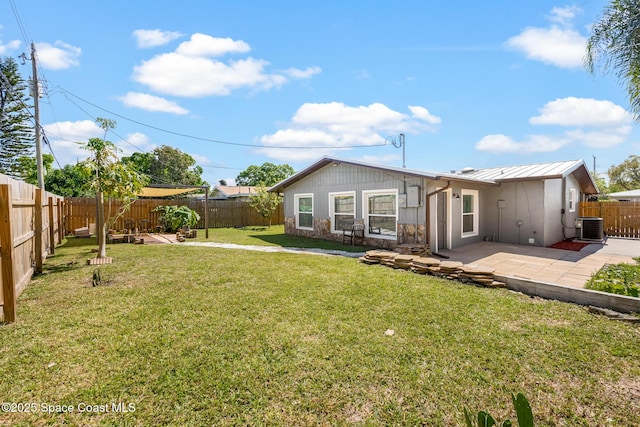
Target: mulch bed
(569, 245)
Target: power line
(216, 141)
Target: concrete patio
(547, 265)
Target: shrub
(622, 279)
(174, 216)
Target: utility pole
(36, 108)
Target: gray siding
(522, 217)
(340, 178)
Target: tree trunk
(100, 225)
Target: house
(237, 192)
(626, 196)
(530, 204)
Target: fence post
(38, 230)
(52, 236)
(6, 252)
(60, 222)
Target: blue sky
(469, 83)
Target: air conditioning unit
(590, 228)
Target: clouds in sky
(153, 38)
(9, 46)
(66, 138)
(335, 127)
(594, 123)
(558, 44)
(58, 56)
(151, 103)
(195, 69)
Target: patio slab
(559, 266)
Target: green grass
(622, 279)
(272, 236)
(197, 336)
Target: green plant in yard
(523, 412)
(175, 216)
(264, 202)
(622, 279)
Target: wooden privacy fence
(30, 228)
(619, 219)
(81, 212)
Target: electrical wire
(215, 141)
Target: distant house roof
(233, 191)
(492, 176)
(633, 195)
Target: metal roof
(538, 170)
(491, 176)
(409, 172)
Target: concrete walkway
(558, 266)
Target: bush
(621, 279)
(174, 217)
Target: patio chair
(355, 232)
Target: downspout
(428, 208)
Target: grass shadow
(74, 242)
(289, 241)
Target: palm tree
(615, 45)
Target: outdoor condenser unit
(591, 228)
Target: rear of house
(445, 211)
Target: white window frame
(296, 207)
(365, 213)
(332, 208)
(572, 199)
(475, 214)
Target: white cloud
(321, 129)
(65, 138)
(153, 38)
(607, 125)
(424, 114)
(573, 111)
(134, 142)
(558, 44)
(564, 15)
(606, 138)
(190, 71)
(381, 160)
(533, 144)
(200, 159)
(205, 45)
(151, 103)
(302, 74)
(9, 46)
(58, 56)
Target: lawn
(271, 236)
(195, 336)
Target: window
(343, 210)
(381, 213)
(572, 199)
(304, 211)
(469, 213)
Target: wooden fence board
(81, 212)
(619, 219)
(25, 217)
